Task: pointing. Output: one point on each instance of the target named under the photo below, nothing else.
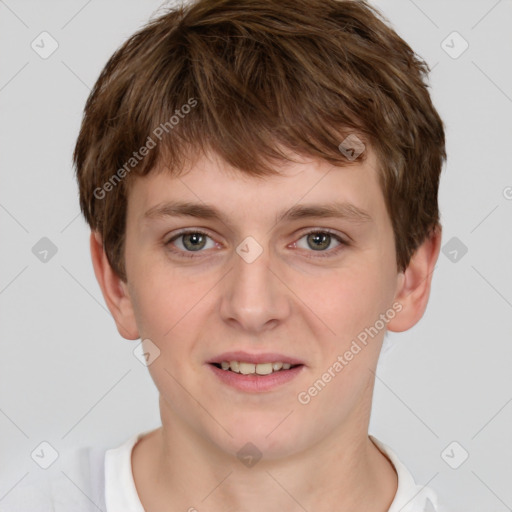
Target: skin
(316, 456)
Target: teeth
(263, 368)
(251, 368)
(247, 368)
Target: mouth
(255, 373)
(246, 368)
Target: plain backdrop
(443, 390)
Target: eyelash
(189, 254)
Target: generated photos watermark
(143, 151)
(361, 341)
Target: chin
(258, 436)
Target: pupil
(319, 237)
(195, 237)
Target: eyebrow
(301, 211)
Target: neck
(175, 469)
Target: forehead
(212, 189)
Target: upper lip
(247, 357)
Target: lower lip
(256, 383)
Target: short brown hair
(264, 74)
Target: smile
(252, 368)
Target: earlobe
(114, 290)
(413, 289)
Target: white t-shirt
(92, 479)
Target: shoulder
(76, 482)
(409, 497)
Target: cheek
(168, 301)
(352, 308)
(351, 299)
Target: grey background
(68, 378)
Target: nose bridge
(254, 296)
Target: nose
(255, 297)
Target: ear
(114, 289)
(413, 288)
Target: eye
(320, 240)
(192, 241)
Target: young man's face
(264, 287)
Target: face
(255, 286)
